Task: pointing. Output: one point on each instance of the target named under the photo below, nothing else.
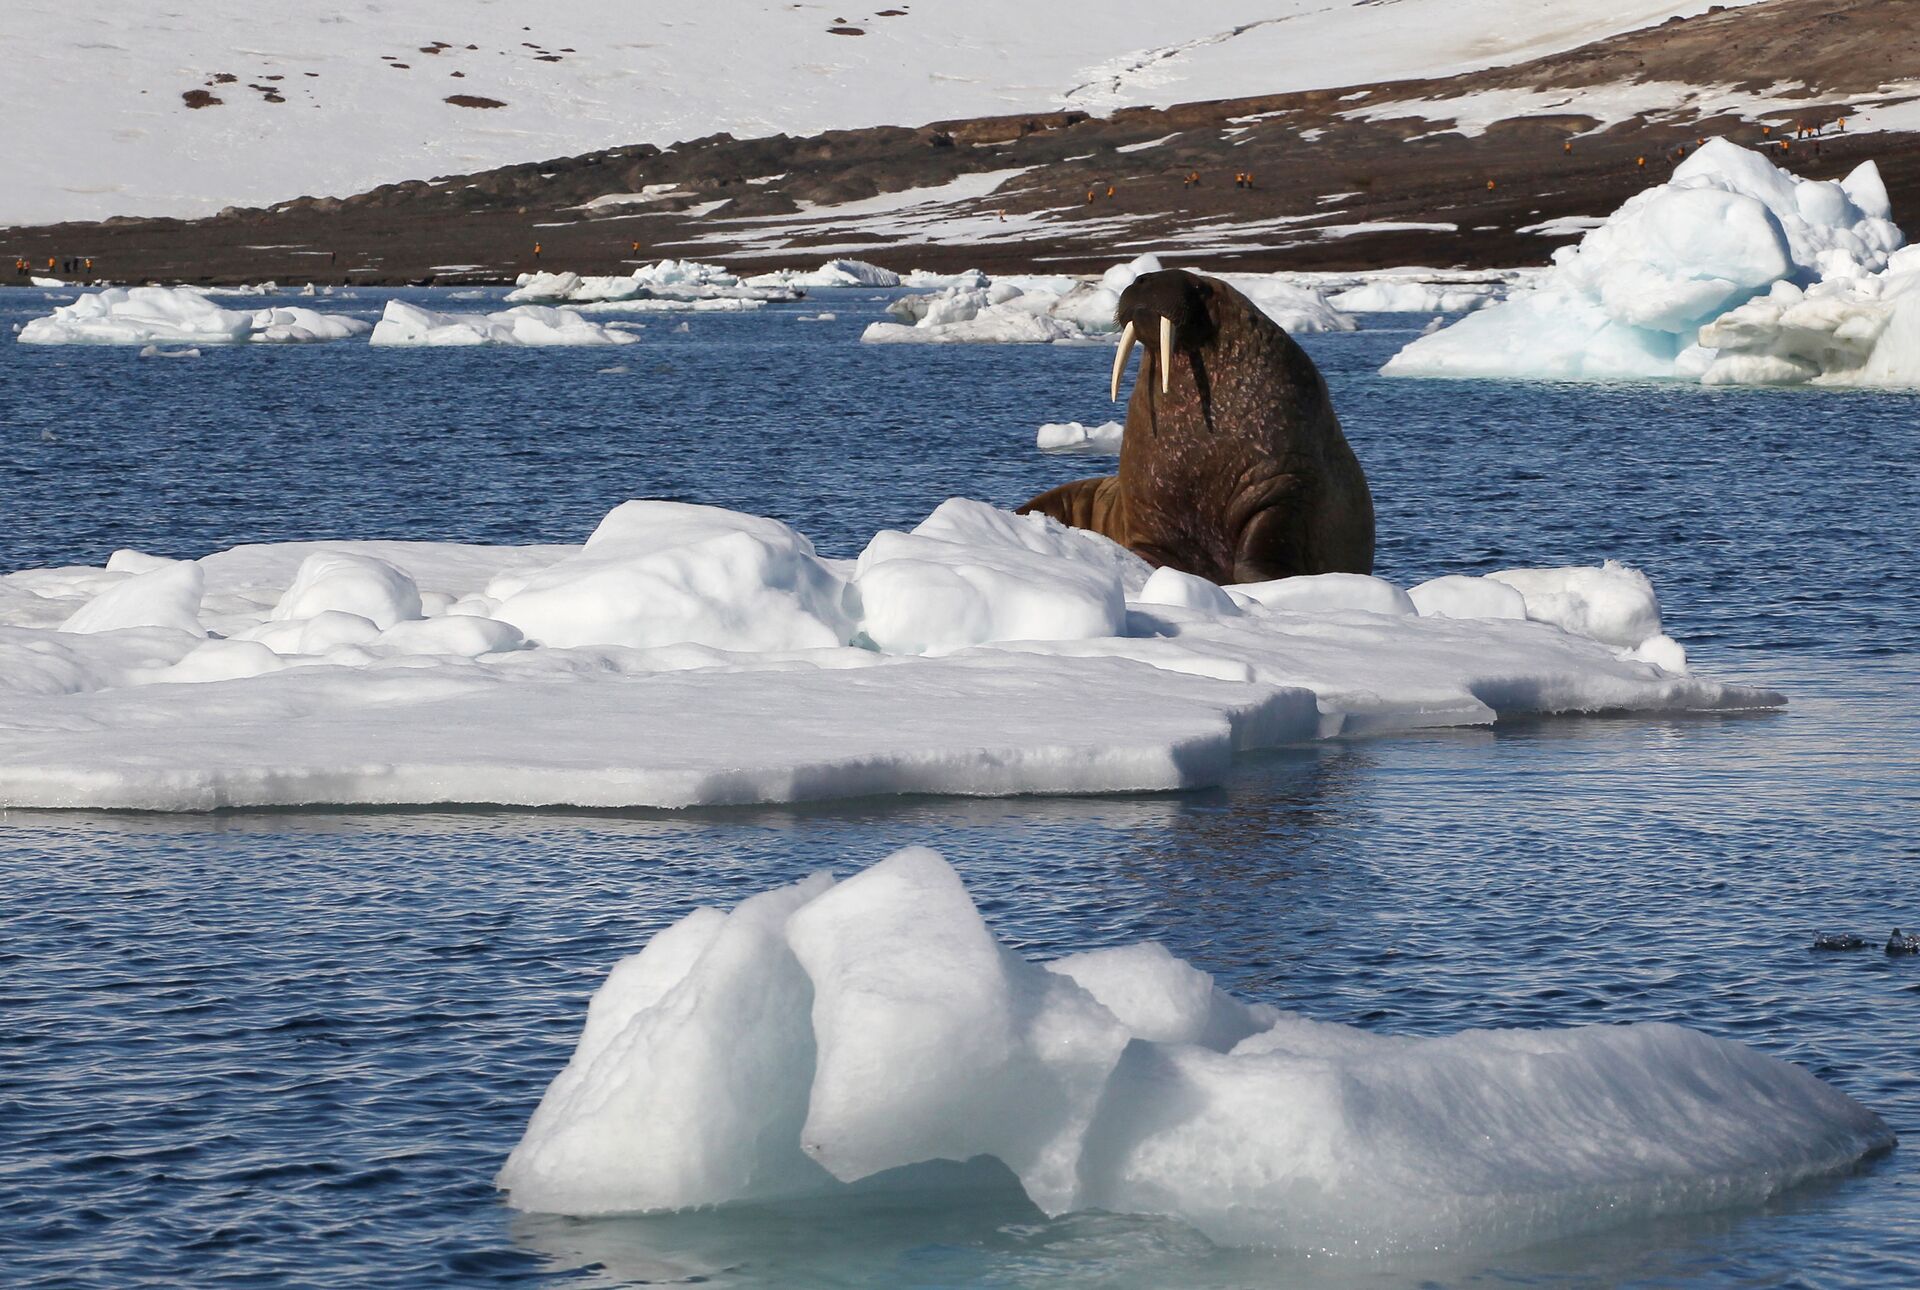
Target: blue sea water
(292, 1048)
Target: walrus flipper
(1092, 504)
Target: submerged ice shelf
(688, 655)
(823, 1033)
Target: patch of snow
(1150, 143)
(1564, 225)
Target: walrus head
(1167, 311)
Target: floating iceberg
(404, 324)
(1041, 310)
(1640, 295)
(834, 273)
(823, 1033)
(689, 655)
(666, 284)
(180, 315)
(1071, 437)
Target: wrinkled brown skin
(1240, 472)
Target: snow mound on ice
(823, 1033)
(164, 596)
(1631, 299)
(403, 324)
(687, 655)
(1071, 437)
(669, 573)
(180, 315)
(969, 574)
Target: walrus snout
(1167, 309)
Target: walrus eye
(1120, 363)
(1166, 351)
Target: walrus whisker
(1166, 352)
(1120, 363)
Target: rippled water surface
(293, 1048)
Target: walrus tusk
(1120, 363)
(1166, 351)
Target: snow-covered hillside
(335, 99)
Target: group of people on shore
(71, 266)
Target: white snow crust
(364, 86)
(180, 315)
(688, 655)
(1731, 272)
(404, 324)
(823, 1033)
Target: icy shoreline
(691, 656)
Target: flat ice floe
(403, 324)
(688, 655)
(663, 285)
(971, 308)
(834, 273)
(180, 315)
(823, 1033)
(1731, 272)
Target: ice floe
(180, 315)
(404, 324)
(1732, 271)
(834, 273)
(973, 309)
(688, 655)
(1386, 296)
(664, 285)
(827, 1032)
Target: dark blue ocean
(292, 1048)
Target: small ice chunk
(1072, 437)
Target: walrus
(1233, 466)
